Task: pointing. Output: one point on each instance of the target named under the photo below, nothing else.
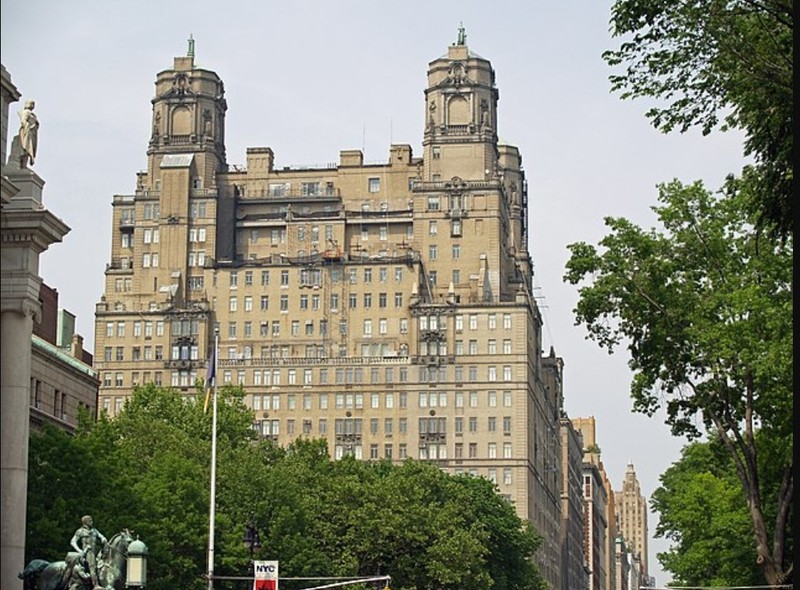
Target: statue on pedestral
(28, 134)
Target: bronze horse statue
(72, 573)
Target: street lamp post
(253, 543)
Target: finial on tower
(190, 52)
(462, 35)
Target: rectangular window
(374, 185)
(473, 399)
(310, 188)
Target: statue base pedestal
(30, 187)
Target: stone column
(26, 230)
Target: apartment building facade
(385, 307)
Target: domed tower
(470, 184)
(461, 115)
(188, 118)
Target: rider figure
(86, 541)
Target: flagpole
(213, 495)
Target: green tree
(705, 309)
(702, 511)
(149, 469)
(712, 59)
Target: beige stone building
(600, 520)
(574, 566)
(384, 307)
(632, 519)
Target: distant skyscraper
(632, 517)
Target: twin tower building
(387, 308)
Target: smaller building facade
(63, 382)
(573, 559)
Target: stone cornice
(37, 227)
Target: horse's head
(118, 544)
(111, 570)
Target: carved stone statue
(28, 133)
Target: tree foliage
(705, 309)
(712, 59)
(703, 513)
(149, 469)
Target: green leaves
(704, 307)
(149, 469)
(702, 511)
(713, 59)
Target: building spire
(190, 51)
(462, 35)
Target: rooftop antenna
(190, 51)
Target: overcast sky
(311, 78)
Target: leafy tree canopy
(703, 513)
(149, 469)
(709, 59)
(705, 309)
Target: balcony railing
(291, 362)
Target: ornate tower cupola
(461, 115)
(189, 117)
